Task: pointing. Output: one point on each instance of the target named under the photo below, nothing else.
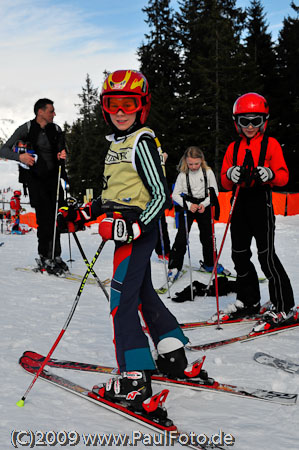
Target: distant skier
(15, 209)
(15, 204)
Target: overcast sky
(47, 47)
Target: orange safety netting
(29, 219)
(292, 204)
(279, 203)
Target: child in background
(253, 215)
(15, 204)
(192, 184)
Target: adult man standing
(39, 146)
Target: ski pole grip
(184, 201)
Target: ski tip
(20, 403)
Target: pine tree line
(198, 59)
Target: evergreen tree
(210, 35)
(287, 129)
(86, 144)
(160, 61)
(260, 63)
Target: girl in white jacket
(191, 192)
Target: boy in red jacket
(256, 162)
(15, 204)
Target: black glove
(234, 173)
(264, 174)
(73, 218)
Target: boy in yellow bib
(134, 197)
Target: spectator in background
(39, 147)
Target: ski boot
(40, 264)
(174, 365)
(60, 263)
(220, 269)
(237, 310)
(272, 319)
(161, 258)
(48, 265)
(131, 389)
(174, 274)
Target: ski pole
(224, 235)
(21, 402)
(2, 216)
(87, 264)
(188, 246)
(56, 210)
(163, 254)
(212, 195)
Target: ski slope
(34, 308)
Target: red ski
(34, 360)
(246, 337)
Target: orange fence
(284, 204)
(292, 202)
(29, 219)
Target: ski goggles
(128, 104)
(254, 121)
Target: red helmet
(251, 104)
(17, 193)
(127, 83)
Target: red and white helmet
(125, 83)
(251, 104)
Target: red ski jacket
(274, 159)
(15, 204)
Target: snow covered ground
(34, 308)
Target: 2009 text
(31, 439)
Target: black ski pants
(253, 217)
(43, 193)
(203, 220)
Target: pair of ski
(208, 323)
(205, 323)
(244, 338)
(152, 416)
(164, 288)
(32, 361)
(68, 276)
(225, 273)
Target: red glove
(119, 229)
(71, 219)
